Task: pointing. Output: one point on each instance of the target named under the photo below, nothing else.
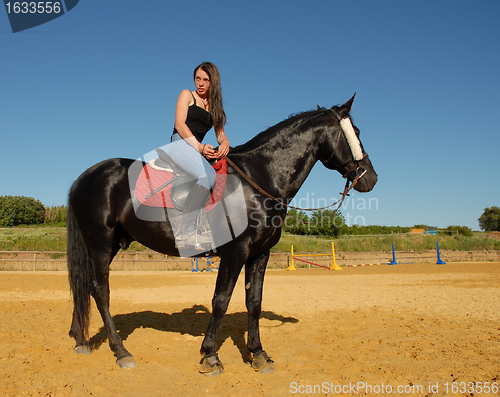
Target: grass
(33, 239)
(55, 239)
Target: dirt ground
(416, 330)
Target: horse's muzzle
(366, 176)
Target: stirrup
(198, 241)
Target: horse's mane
(266, 135)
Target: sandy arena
(416, 330)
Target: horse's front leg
(255, 269)
(226, 280)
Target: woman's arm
(223, 143)
(183, 102)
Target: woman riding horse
(102, 219)
(196, 112)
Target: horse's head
(345, 152)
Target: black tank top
(198, 120)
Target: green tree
(56, 215)
(489, 221)
(464, 230)
(326, 223)
(20, 210)
(296, 222)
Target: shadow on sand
(192, 321)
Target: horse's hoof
(126, 362)
(211, 366)
(263, 363)
(84, 349)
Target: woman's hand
(223, 149)
(208, 152)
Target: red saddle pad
(151, 179)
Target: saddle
(162, 183)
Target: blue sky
(102, 81)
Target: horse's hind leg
(255, 269)
(101, 296)
(76, 331)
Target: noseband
(360, 171)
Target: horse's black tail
(80, 268)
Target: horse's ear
(343, 111)
(348, 105)
(317, 107)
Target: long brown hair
(215, 94)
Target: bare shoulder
(186, 97)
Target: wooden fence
(153, 261)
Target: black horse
(102, 219)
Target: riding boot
(188, 234)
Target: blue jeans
(192, 162)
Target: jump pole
(193, 262)
(211, 264)
(393, 262)
(439, 261)
(334, 263)
(293, 258)
(312, 263)
(292, 266)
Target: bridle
(360, 172)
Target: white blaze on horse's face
(352, 138)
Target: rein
(345, 193)
(360, 172)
